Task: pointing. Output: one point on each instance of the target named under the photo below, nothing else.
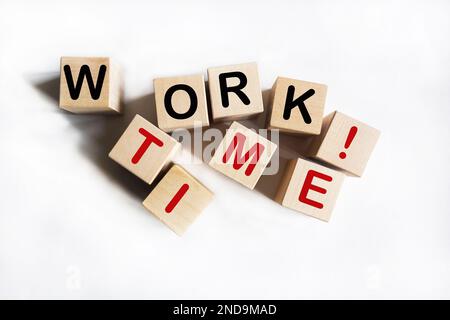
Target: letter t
(149, 139)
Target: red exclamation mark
(348, 142)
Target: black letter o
(168, 101)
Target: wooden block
(235, 92)
(243, 155)
(90, 85)
(178, 199)
(345, 143)
(297, 106)
(181, 102)
(309, 188)
(144, 149)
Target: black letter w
(85, 71)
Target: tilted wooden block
(345, 143)
(309, 188)
(235, 92)
(243, 155)
(181, 102)
(178, 199)
(90, 85)
(297, 106)
(144, 149)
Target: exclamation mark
(348, 142)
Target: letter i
(177, 197)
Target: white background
(71, 221)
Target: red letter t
(149, 139)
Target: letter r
(225, 89)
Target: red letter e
(307, 185)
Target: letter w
(85, 71)
(238, 144)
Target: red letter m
(238, 144)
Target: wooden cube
(178, 199)
(297, 106)
(181, 102)
(235, 92)
(90, 85)
(309, 188)
(144, 149)
(243, 155)
(345, 143)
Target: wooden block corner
(178, 199)
(181, 102)
(297, 106)
(235, 92)
(243, 155)
(345, 143)
(144, 149)
(310, 188)
(90, 85)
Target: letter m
(238, 145)
(85, 71)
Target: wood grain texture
(111, 93)
(296, 124)
(331, 142)
(251, 140)
(295, 179)
(181, 102)
(194, 199)
(154, 158)
(236, 109)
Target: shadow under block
(243, 155)
(89, 85)
(144, 149)
(345, 143)
(309, 188)
(235, 92)
(178, 199)
(181, 102)
(297, 106)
